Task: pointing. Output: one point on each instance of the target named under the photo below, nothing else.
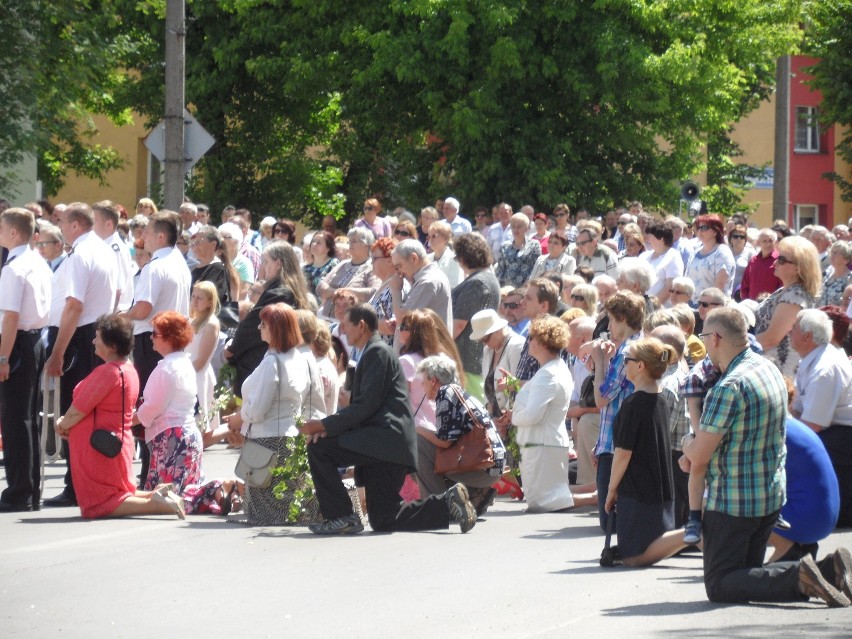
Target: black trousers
(838, 443)
(382, 482)
(79, 361)
(681, 491)
(145, 360)
(734, 548)
(19, 421)
(602, 482)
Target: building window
(807, 130)
(806, 214)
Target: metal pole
(781, 181)
(175, 63)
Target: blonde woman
(585, 297)
(203, 308)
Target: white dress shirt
(90, 277)
(164, 283)
(125, 268)
(25, 288)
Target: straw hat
(486, 322)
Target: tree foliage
(59, 66)
(829, 38)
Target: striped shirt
(748, 407)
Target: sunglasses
(630, 359)
(481, 215)
(622, 223)
(737, 236)
(579, 298)
(561, 214)
(511, 305)
(704, 227)
(784, 260)
(709, 304)
(402, 233)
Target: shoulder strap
(464, 403)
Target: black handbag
(105, 441)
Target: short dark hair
(546, 291)
(473, 250)
(167, 222)
(661, 232)
(116, 332)
(363, 313)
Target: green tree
(590, 103)
(828, 36)
(59, 65)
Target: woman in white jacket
(285, 385)
(539, 415)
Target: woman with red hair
(168, 410)
(284, 387)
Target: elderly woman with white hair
(355, 273)
(681, 291)
(838, 275)
(637, 276)
(232, 239)
(440, 234)
(455, 412)
(518, 257)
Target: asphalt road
(513, 575)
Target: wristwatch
(4, 359)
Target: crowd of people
(690, 379)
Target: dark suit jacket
(247, 349)
(378, 421)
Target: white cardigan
(282, 386)
(541, 405)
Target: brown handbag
(469, 453)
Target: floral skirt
(175, 458)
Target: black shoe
(64, 499)
(6, 507)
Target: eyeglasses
(404, 327)
(432, 236)
(704, 227)
(737, 236)
(703, 335)
(279, 231)
(781, 259)
(511, 305)
(402, 232)
(579, 298)
(708, 304)
(481, 215)
(561, 214)
(369, 207)
(379, 257)
(583, 242)
(674, 291)
(630, 359)
(620, 223)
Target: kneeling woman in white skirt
(539, 415)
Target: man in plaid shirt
(740, 443)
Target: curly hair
(116, 333)
(473, 251)
(384, 244)
(174, 328)
(551, 332)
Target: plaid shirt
(700, 379)
(679, 421)
(615, 388)
(748, 407)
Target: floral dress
(784, 357)
(703, 268)
(515, 265)
(313, 274)
(832, 290)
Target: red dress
(102, 483)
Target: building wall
(124, 186)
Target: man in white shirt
(89, 281)
(189, 217)
(501, 230)
(451, 210)
(24, 305)
(106, 228)
(823, 398)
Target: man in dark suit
(375, 433)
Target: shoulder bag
(105, 441)
(256, 462)
(470, 452)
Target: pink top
(423, 408)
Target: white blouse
(283, 386)
(169, 396)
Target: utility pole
(175, 70)
(781, 179)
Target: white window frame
(807, 128)
(805, 214)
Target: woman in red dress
(105, 486)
